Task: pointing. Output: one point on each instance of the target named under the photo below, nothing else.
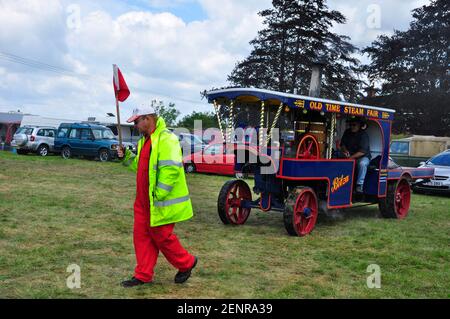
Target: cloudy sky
(56, 56)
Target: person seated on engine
(355, 145)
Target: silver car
(131, 146)
(441, 181)
(34, 139)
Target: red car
(213, 159)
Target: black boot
(133, 282)
(181, 277)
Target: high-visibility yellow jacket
(168, 191)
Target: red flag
(120, 86)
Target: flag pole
(119, 128)
(117, 84)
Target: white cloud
(160, 54)
(28, 27)
(393, 15)
(157, 52)
(166, 3)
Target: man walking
(162, 198)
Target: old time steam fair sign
(343, 109)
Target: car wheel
(66, 152)
(22, 152)
(103, 155)
(240, 175)
(189, 168)
(42, 150)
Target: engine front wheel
(229, 202)
(301, 211)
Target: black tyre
(190, 168)
(104, 155)
(22, 152)
(43, 150)
(241, 175)
(244, 173)
(301, 211)
(397, 201)
(66, 152)
(228, 203)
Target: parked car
(212, 136)
(90, 140)
(213, 159)
(392, 164)
(34, 139)
(441, 181)
(412, 150)
(131, 146)
(190, 143)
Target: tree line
(409, 70)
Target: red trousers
(149, 241)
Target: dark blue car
(89, 140)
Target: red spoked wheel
(397, 201)
(229, 202)
(301, 211)
(308, 148)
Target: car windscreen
(214, 150)
(103, 134)
(400, 148)
(441, 159)
(190, 139)
(62, 132)
(196, 140)
(25, 130)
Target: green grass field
(54, 213)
